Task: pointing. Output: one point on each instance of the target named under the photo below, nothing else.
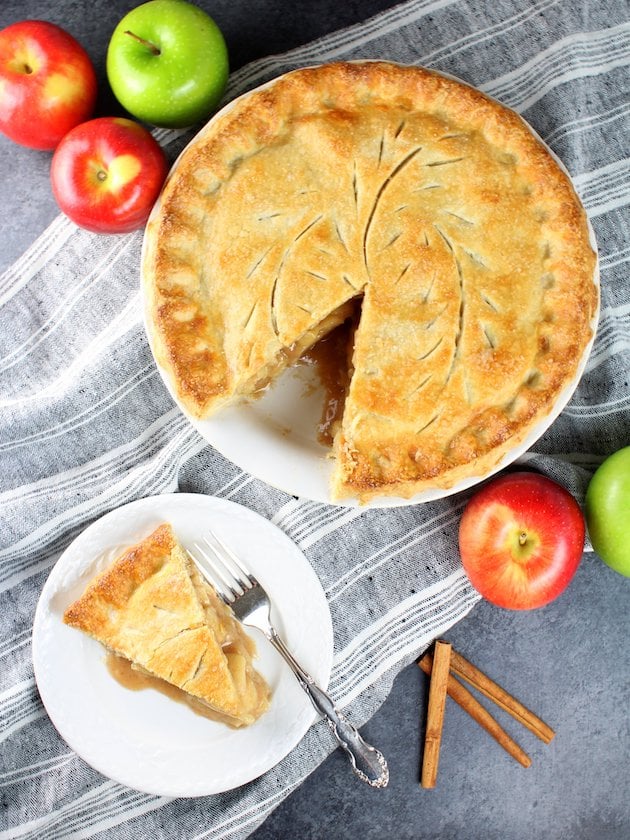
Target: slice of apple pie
(152, 607)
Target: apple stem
(101, 175)
(151, 47)
(522, 538)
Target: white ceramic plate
(275, 437)
(143, 739)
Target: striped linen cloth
(86, 424)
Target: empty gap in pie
(331, 358)
(290, 355)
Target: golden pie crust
(152, 607)
(412, 196)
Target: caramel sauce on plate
(135, 679)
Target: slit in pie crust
(153, 608)
(429, 203)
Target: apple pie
(409, 202)
(153, 608)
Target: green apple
(608, 511)
(167, 63)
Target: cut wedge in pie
(153, 608)
(410, 201)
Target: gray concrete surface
(570, 661)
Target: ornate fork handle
(367, 762)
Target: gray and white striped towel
(86, 424)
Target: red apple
(106, 174)
(521, 539)
(47, 83)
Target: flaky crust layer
(430, 202)
(150, 608)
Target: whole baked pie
(409, 202)
(153, 608)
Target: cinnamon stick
(467, 671)
(435, 713)
(479, 713)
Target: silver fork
(240, 590)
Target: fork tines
(218, 563)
